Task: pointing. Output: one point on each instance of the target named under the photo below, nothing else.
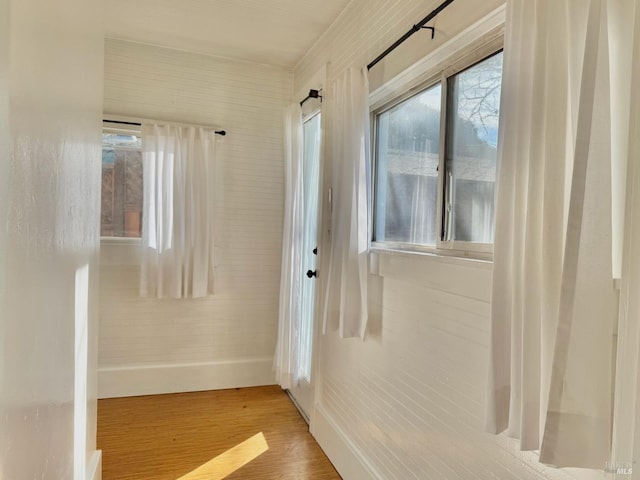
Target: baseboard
(343, 454)
(158, 379)
(94, 468)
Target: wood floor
(209, 436)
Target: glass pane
(472, 139)
(121, 214)
(311, 172)
(408, 143)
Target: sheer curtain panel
(626, 438)
(286, 358)
(345, 304)
(554, 305)
(179, 166)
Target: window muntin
(121, 198)
(473, 107)
(408, 145)
(461, 211)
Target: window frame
(124, 129)
(459, 61)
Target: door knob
(315, 251)
(312, 273)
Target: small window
(408, 145)
(436, 162)
(471, 151)
(121, 201)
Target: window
(436, 157)
(473, 109)
(121, 200)
(408, 145)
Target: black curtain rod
(416, 28)
(218, 132)
(312, 94)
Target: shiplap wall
(228, 339)
(408, 402)
(51, 61)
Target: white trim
(301, 411)
(135, 380)
(443, 249)
(133, 241)
(108, 127)
(451, 257)
(311, 115)
(348, 460)
(439, 59)
(223, 58)
(481, 250)
(94, 468)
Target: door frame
(314, 388)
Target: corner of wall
(343, 454)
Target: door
(303, 392)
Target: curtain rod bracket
(433, 31)
(312, 94)
(416, 28)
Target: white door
(303, 392)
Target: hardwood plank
(191, 435)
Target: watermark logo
(619, 468)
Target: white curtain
(554, 305)
(345, 303)
(178, 211)
(626, 438)
(287, 357)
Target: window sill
(118, 251)
(452, 257)
(433, 272)
(120, 241)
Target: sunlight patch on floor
(231, 460)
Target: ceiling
(276, 32)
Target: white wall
(51, 74)
(228, 339)
(408, 402)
